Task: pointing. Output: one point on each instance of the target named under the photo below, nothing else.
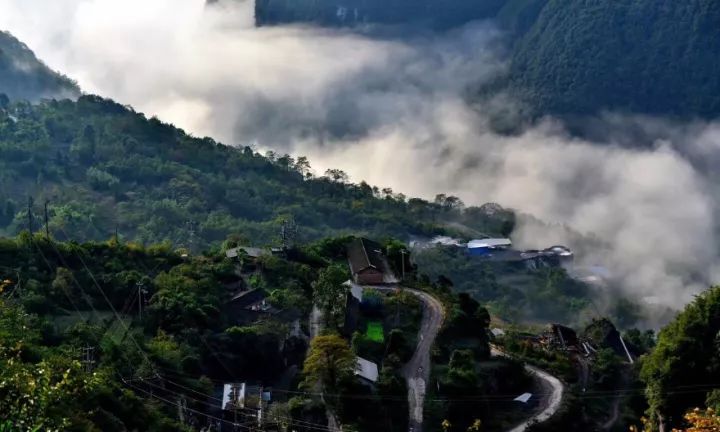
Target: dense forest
(683, 371)
(103, 166)
(23, 76)
(568, 57)
(440, 14)
(651, 57)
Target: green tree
(329, 362)
(329, 294)
(686, 355)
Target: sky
(396, 113)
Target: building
(497, 332)
(527, 401)
(564, 336)
(488, 246)
(250, 252)
(248, 306)
(366, 261)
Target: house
(366, 261)
(488, 246)
(603, 334)
(248, 306)
(366, 370)
(564, 336)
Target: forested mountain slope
(648, 56)
(568, 57)
(683, 371)
(102, 165)
(437, 13)
(23, 76)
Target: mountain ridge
(24, 76)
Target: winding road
(417, 371)
(551, 387)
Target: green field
(375, 332)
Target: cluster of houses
(501, 250)
(557, 337)
(368, 267)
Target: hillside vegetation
(439, 14)
(683, 371)
(103, 166)
(648, 56)
(567, 57)
(23, 76)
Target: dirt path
(550, 404)
(417, 371)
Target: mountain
(568, 58)
(23, 76)
(104, 166)
(646, 56)
(441, 14)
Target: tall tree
(329, 294)
(329, 362)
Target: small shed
(366, 370)
(524, 398)
(497, 332)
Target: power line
(189, 409)
(110, 305)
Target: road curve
(417, 371)
(551, 386)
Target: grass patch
(375, 332)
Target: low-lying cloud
(395, 112)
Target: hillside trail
(553, 390)
(417, 371)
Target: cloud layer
(394, 111)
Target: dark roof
(567, 336)
(248, 298)
(364, 254)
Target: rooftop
(252, 252)
(366, 369)
(364, 254)
(524, 398)
(489, 243)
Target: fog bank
(395, 112)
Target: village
(378, 312)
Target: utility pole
(235, 398)
(288, 233)
(140, 291)
(29, 212)
(191, 224)
(47, 223)
(88, 359)
(402, 257)
(182, 406)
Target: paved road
(551, 386)
(417, 371)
